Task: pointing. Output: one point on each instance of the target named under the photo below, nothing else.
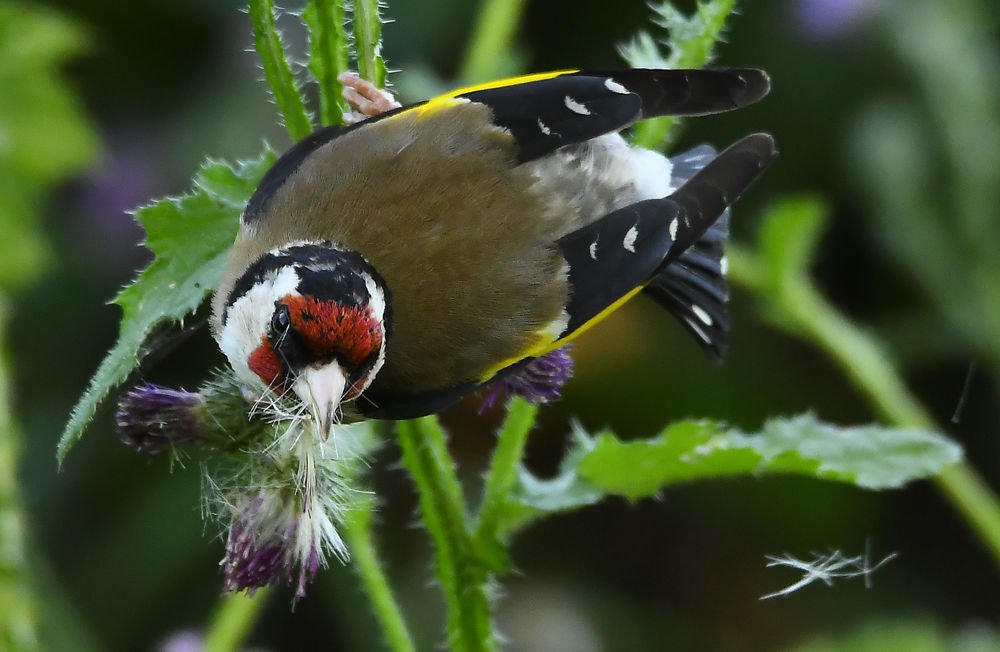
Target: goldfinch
(388, 268)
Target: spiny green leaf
(190, 237)
(690, 41)
(871, 457)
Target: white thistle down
(283, 498)
(826, 568)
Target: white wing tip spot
(575, 106)
(673, 229)
(629, 241)
(593, 249)
(724, 265)
(615, 87)
(700, 313)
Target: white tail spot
(593, 249)
(700, 313)
(544, 128)
(673, 229)
(697, 329)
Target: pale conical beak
(321, 388)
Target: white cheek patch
(376, 299)
(248, 320)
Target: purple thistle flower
(270, 538)
(538, 382)
(154, 420)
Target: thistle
(539, 381)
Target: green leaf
(690, 40)
(190, 237)
(277, 71)
(533, 497)
(328, 54)
(871, 457)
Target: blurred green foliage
(931, 166)
(44, 136)
(43, 139)
(916, 636)
(133, 556)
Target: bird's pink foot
(364, 96)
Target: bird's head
(312, 319)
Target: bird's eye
(282, 318)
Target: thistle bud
(538, 382)
(154, 420)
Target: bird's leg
(366, 97)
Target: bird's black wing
(546, 113)
(694, 290)
(627, 250)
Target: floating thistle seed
(538, 382)
(154, 420)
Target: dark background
(127, 557)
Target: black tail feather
(691, 283)
(694, 289)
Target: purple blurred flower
(538, 382)
(828, 18)
(271, 537)
(154, 420)
(183, 641)
(132, 170)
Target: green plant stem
(492, 38)
(364, 557)
(463, 580)
(368, 41)
(802, 310)
(276, 70)
(328, 56)
(503, 469)
(18, 610)
(233, 620)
